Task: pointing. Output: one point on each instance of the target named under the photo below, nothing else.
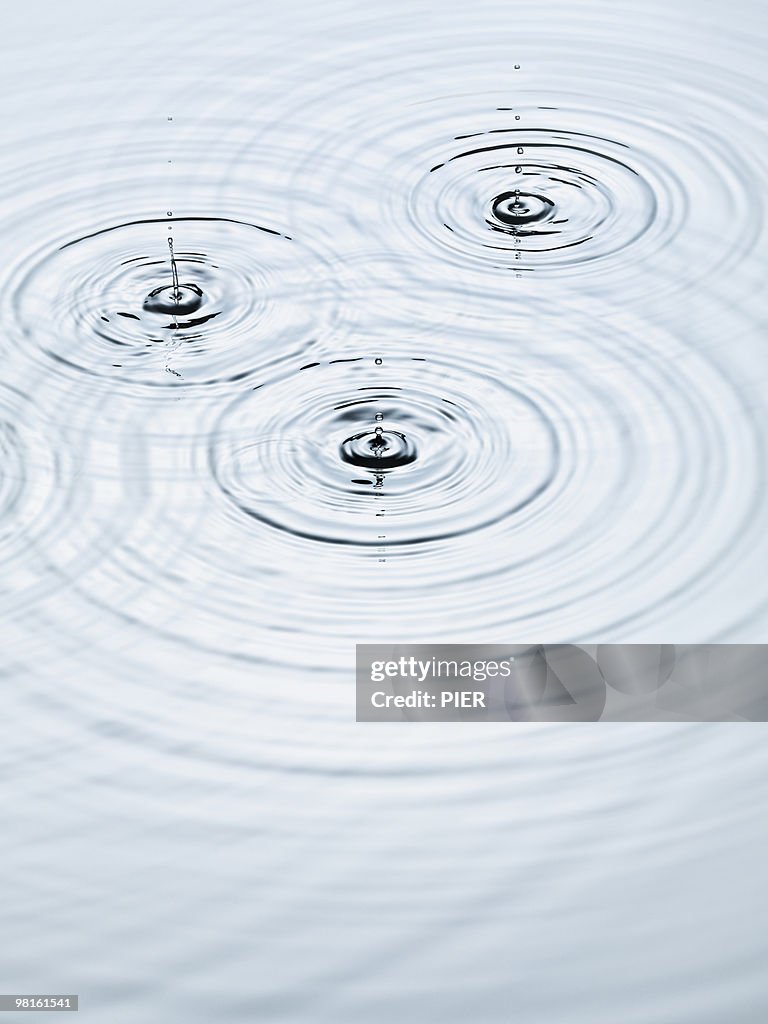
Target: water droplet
(517, 117)
(378, 443)
(520, 150)
(379, 417)
(377, 361)
(179, 302)
(520, 208)
(378, 450)
(517, 67)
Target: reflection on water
(324, 325)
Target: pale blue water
(526, 243)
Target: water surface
(325, 324)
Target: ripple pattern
(412, 443)
(113, 312)
(572, 198)
(461, 337)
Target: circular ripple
(435, 449)
(36, 473)
(617, 176)
(12, 472)
(593, 480)
(545, 198)
(85, 297)
(106, 304)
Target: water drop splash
(176, 300)
(429, 440)
(378, 449)
(175, 272)
(232, 301)
(518, 209)
(620, 186)
(583, 199)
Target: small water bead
(377, 361)
(379, 417)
